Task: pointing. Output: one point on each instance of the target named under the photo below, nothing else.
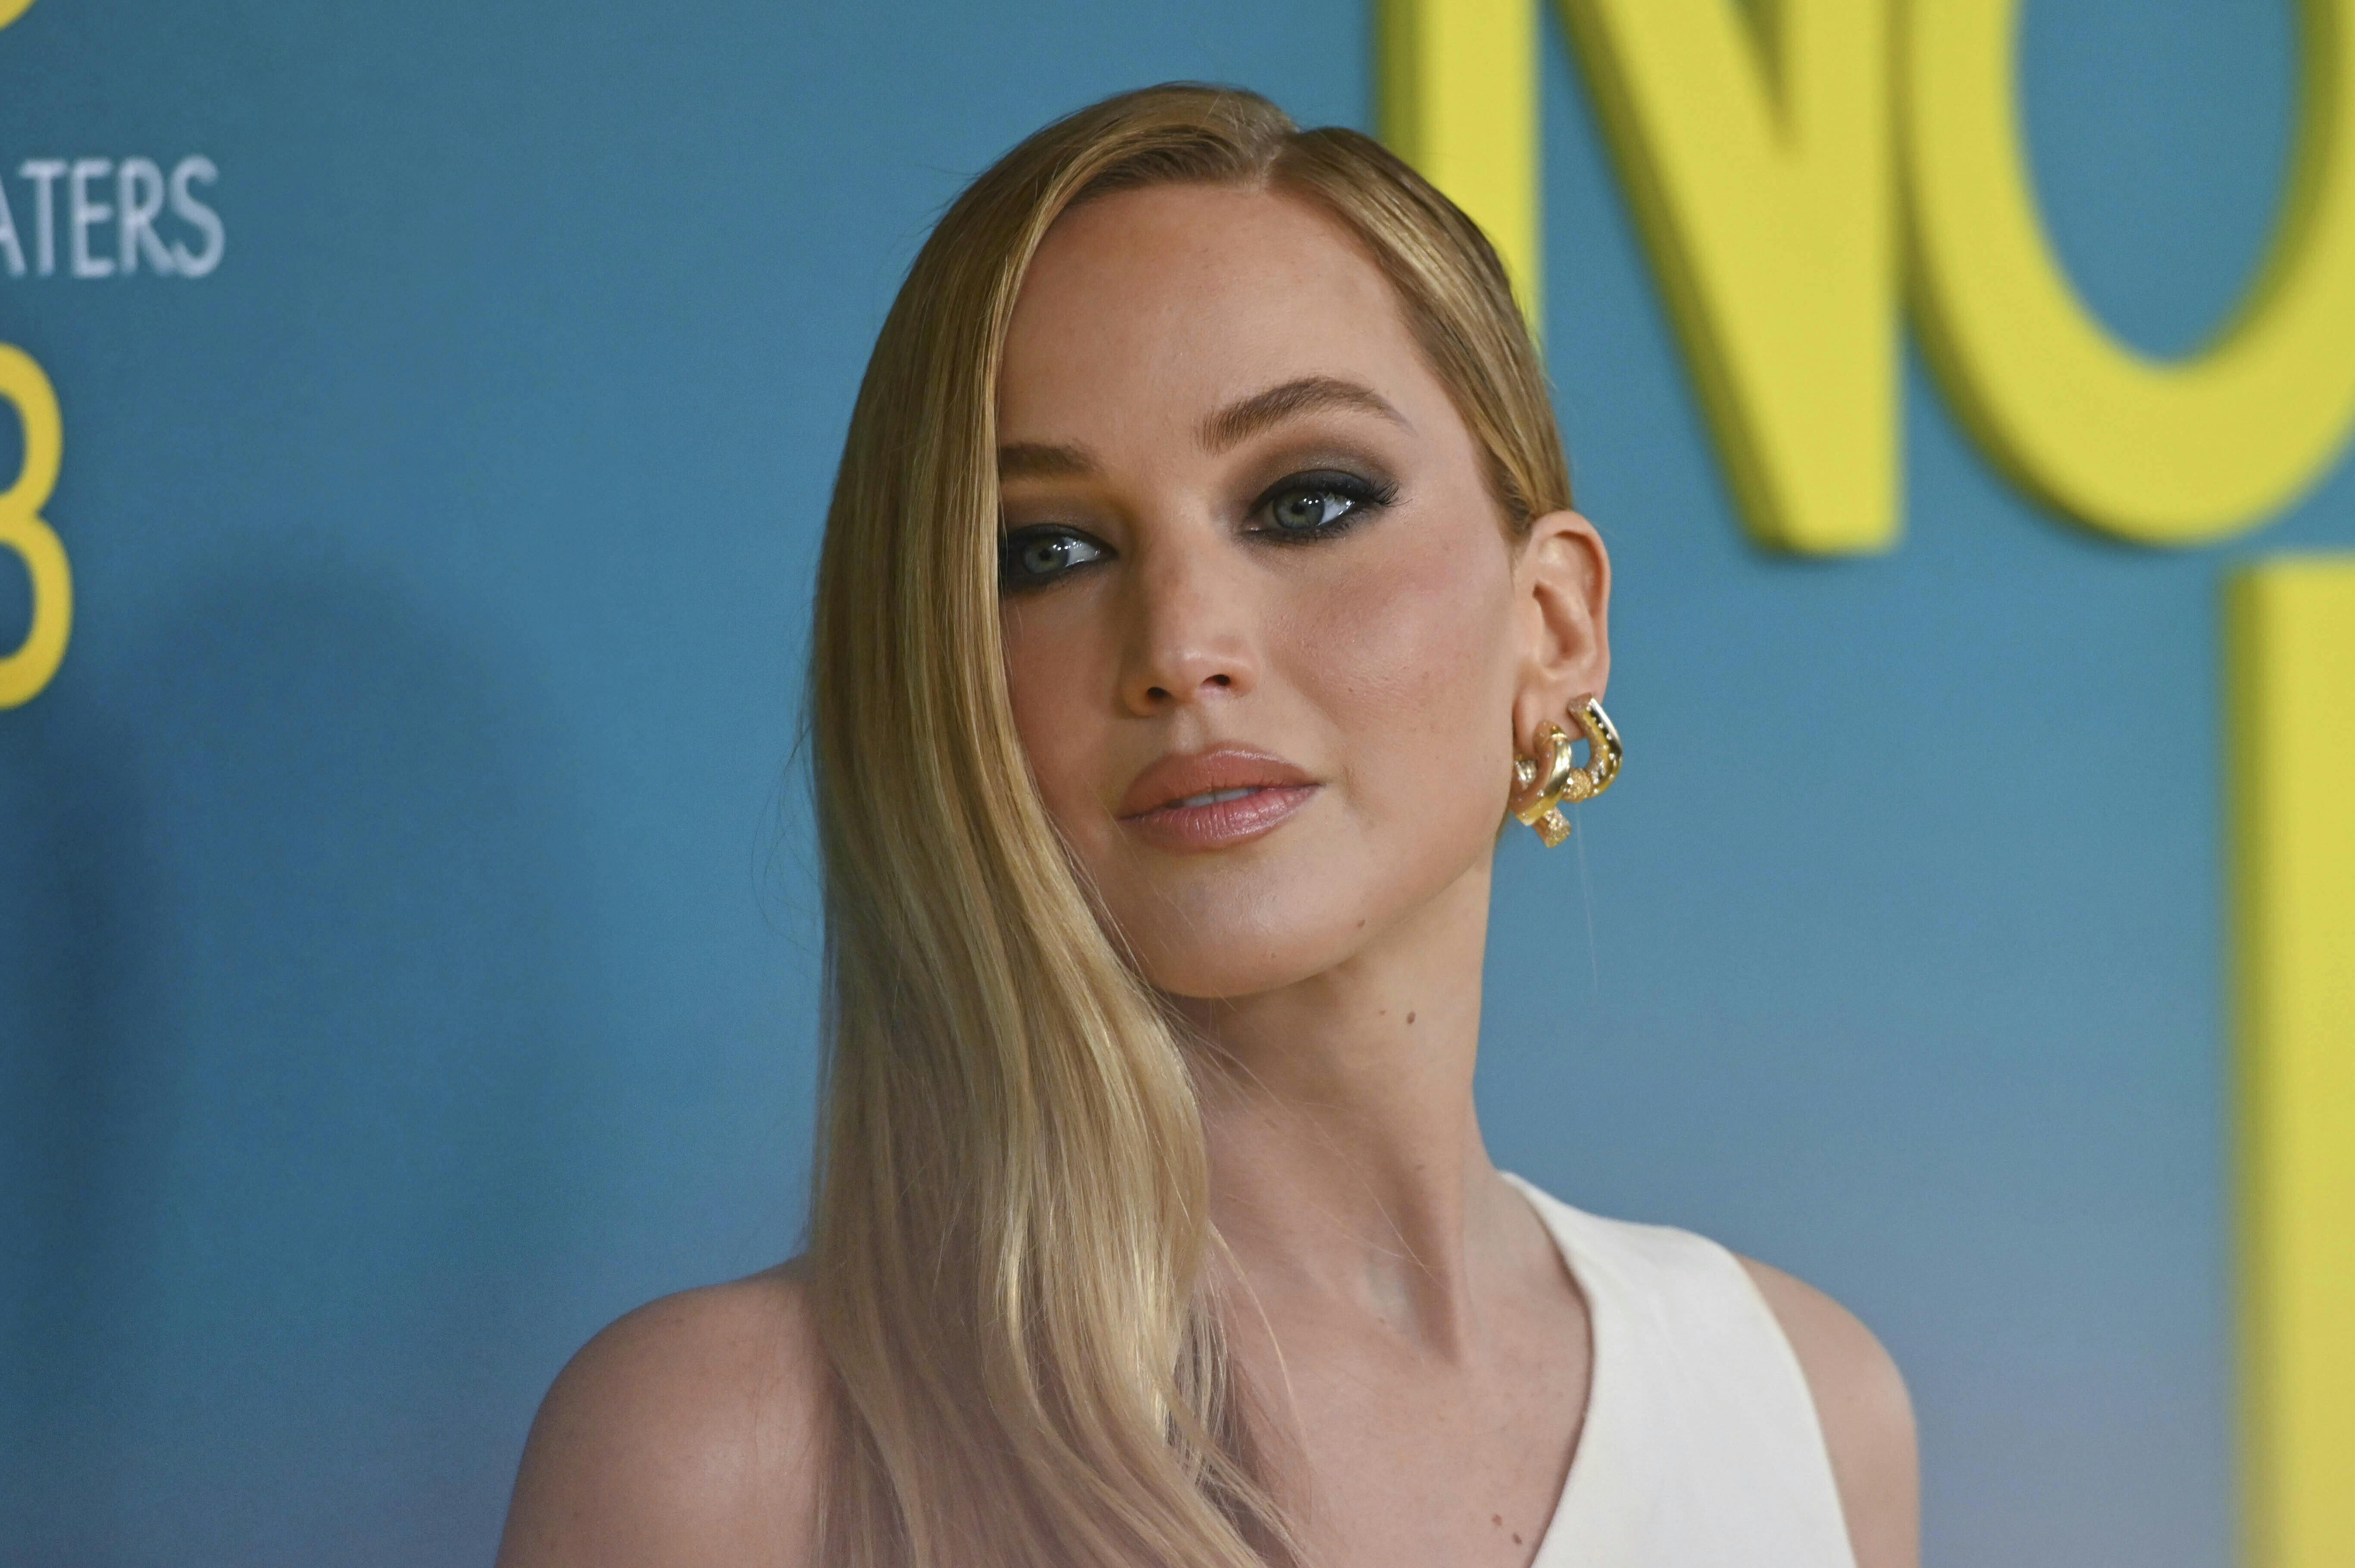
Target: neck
(1345, 1157)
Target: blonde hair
(1010, 1242)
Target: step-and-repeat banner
(415, 425)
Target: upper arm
(1865, 1415)
(689, 1432)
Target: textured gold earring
(1540, 786)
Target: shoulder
(1865, 1415)
(690, 1431)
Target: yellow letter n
(1754, 142)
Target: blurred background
(407, 931)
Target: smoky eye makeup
(1321, 494)
(1039, 554)
(1319, 501)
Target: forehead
(1146, 300)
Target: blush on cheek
(1415, 649)
(1412, 658)
(1052, 688)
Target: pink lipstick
(1214, 799)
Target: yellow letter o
(24, 672)
(2161, 453)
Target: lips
(1213, 799)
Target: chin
(1223, 939)
(1302, 902)
(1234, 968)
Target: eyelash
(1363, 496)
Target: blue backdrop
(407, 939)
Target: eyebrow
(1309, 394)
(1044, 459)
(1236, 423)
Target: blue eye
(1031, 557)
(1301, 510)
(1316, 505)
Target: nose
(1190, 637)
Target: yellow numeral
(32, 541)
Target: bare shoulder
(690, 1431)
(1867, 1417)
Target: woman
(1200, 592)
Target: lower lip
(1221, 824)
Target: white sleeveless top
(1700, 1447)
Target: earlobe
(1564, 578)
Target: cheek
(1413, 659)
(1057, 713)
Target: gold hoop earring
(1538, 790)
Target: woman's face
(1270, 646)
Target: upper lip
(1174, 778)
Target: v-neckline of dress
(1598, 1420)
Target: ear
(1563, 582)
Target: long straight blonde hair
(1010, 1243)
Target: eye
(1032, 558)
(1315, 506)
(1300, 511)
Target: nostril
(1158, 693)
(1223, 680)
